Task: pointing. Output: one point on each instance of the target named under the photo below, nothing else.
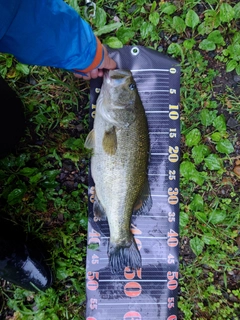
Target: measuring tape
(149, 293)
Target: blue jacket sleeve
(48, 33)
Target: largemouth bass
(120, 144)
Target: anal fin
(144, 202)
(98, 210)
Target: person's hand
(107, 63)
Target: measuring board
(149, 293)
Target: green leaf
(197, 245)
(113, 42)
(204, 28)
(9, 62)
(34, 179)
(216, 37)
(61, 273)
(178, 24)
(16, 195)
(224, 146)
(231, 65)
(73, 205)
(176, 50)
(193, 137)
(100, 18)
(216, 136)
(40, 202)
(68, 118)
(28, 171)
(236, 37)
(125, 34)
(153, 7)
(211, 21)
(189, 43)
(201, 216)
(183, 219)
(74, 144)
(234, 51)
(217, 216)
(220, 123)
(3, 71)
(187, 168)
(236, 9)
(197, 203)
(213, 162)
(107, 28)
(136, 23)
(192, 19)
(23, 68)
(199, 153)
(146, 29)
(207, 45)
(226, 12)
(69, 155)
(207, 117)
(93, 246)
(168, 8)
(212, 104)
(212, 17)
(154, 18)
(51, 174)
(209, 239)
(84, 222)
(238, 69)
(189, 172)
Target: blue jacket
(48, 33)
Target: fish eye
(132, 86)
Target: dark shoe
(23, 265)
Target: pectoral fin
(144, 201)
(90, 140)
(110, 141)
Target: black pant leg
(12, 121)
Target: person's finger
(77, 75)
(80, 76)
(94, 73)
(100, 72)
(107, 63)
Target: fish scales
(120, 144)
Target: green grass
(204, 37)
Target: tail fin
(121, 256)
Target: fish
(119, 142)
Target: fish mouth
(117, 76)
(119, 73)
